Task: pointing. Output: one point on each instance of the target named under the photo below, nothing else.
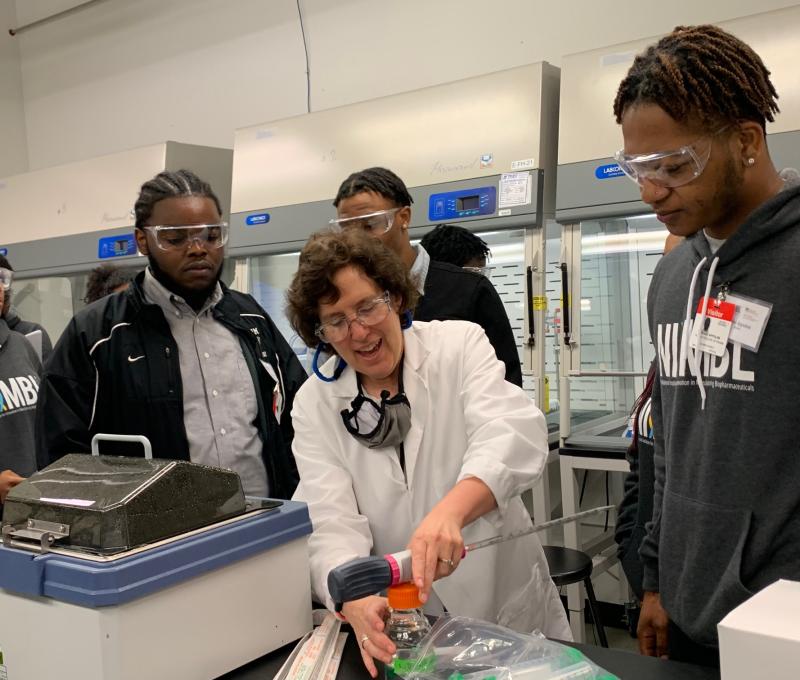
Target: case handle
(140, 438)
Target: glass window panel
(618, 258)
(270, 276)
(50, 301)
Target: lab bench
(626, 665)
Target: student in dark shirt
(377, 201)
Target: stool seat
(567, 566)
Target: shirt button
(206, 355)
(215, 393)
(223, 431)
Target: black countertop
(626, 665)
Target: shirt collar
(419, 270)
(156, 293)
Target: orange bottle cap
(404, 596)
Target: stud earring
(751, 161)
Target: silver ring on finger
(364, 640)
(449, 563)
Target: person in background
(11, 315)
(375, 200)
(199, 369)
(636, 508)
(409, 436)
(458, 246)
(20, 370)
(693, 109)
(106, 280)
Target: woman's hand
(437, 546)
(366, 616)
(8, 480)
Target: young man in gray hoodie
(726, 520)
(15, 323)
(20, 370)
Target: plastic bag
(460, 648)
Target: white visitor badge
(749, 321)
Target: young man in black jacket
(378, 201)
(200, 370)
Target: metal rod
(536, 528)
(613, 374)
(52, 17)
(531, 327)
(565, 305)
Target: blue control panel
(455, 205)
(116, 246)
(3, 251)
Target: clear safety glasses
(483, 271)
(370, 313)
(5, 278)
(668, 168)
(376, 223)
(178, 237)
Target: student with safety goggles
(35, 332)
(693, 110)
(377, 201)
(199, 369)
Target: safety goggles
(5, 278)
(178, 237)
(370, 313)
(483, 271)
(668, 168)
(376, 223)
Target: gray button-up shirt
(219, 398)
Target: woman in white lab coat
(439, 467)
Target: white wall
(125, 73)
(13, 141)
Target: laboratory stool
(569, 566)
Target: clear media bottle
(405, 627)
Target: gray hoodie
(20, 370)
(726, 519)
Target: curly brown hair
(324, 254)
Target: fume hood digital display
(468, 203)
(116, 246)
(462, 203)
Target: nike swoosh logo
(134, 359)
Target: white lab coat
(466, 421)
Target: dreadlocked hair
(168, 184)
(703, 72)
(454, 244)
(379, 180)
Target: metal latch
(37, 535)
